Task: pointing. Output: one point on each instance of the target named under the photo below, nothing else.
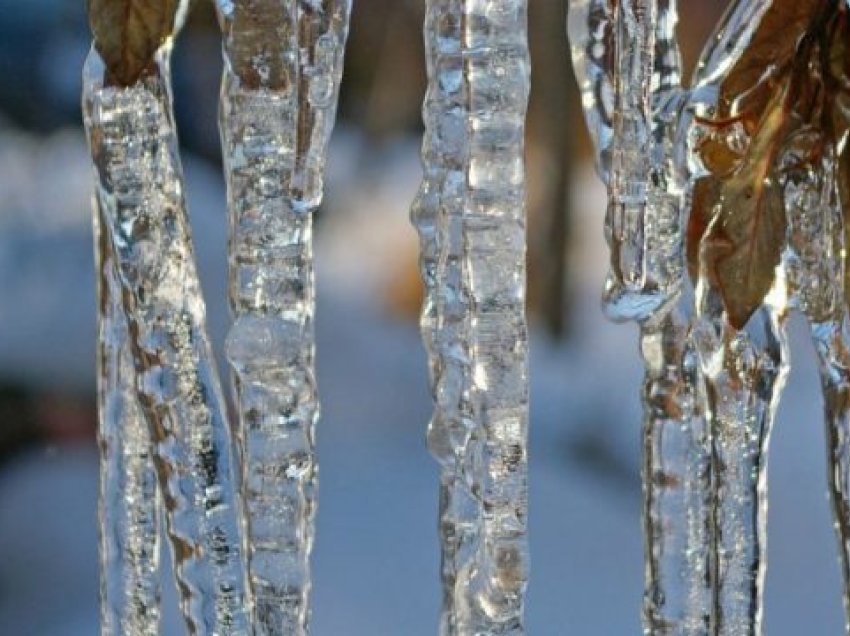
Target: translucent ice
(470, 216)
(628, 68)
(283, 64)
(129, 501)
(139, 190)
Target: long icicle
(283, 64)
(140, 189)
(745, 368)
(745, 372)
(677, 483)
(497, 71)
(470, 215)
(628, 66)
(129, 500)
(446, 304)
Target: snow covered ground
(376, 552)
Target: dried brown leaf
(127, 34)
(737, 226)
(838, 83)
(772, 48)
(743, 242)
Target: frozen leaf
(737, 226)
(743, 243)
(838, 83)
(127, 34)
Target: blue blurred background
(376, 554)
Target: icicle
(445, 307)
(745, 373)
(470, 217)
(129, 501)
(283, 64)
(140, 191)
(627, 63)
(646, 261)
(677, 482)
(592, 33)
(740, 332)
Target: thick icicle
(627, 62)
(140, 191)
(129, 501)
(283, 64)
(745, 372)
(744, 367)
(470, 216)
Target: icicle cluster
(165, 436)
(140, 192)
(755, 149)
(470, 216)
(283, 64)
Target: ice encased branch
(283, 65)
(129, 509)
(139, 187)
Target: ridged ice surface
(139, 188)
(470, 216)
(129, 501)
(627, 61)
(628, 68)
(283, 63)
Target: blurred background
(376, 554)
